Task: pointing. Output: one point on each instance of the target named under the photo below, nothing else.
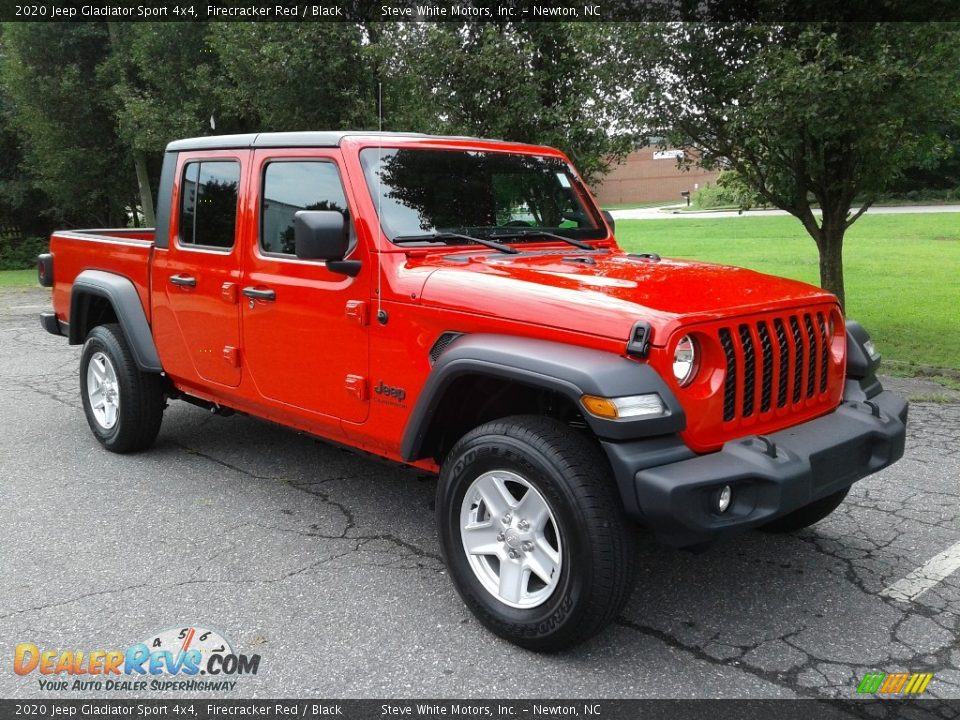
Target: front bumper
(773, 476)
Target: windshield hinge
(639, 343)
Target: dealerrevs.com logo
(899, 683)
(179, 659)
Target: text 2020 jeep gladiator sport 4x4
(461, 305)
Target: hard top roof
(299, 139)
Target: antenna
(381, 315)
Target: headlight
(685, 360)
(623, 408)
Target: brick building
(650, 174)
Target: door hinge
(228, 291)
(357, 386)
(357, 311)
(231, 355)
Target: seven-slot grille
(792, 349)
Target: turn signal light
(623, 408)
(601, 407)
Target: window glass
(208, 203)
(425, 191)
(289, 187)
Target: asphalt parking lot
(326, 564)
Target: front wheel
(124, 406)
(533, 532)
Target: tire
(807, 515)
(124, 406)
(582, 545)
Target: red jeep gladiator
(461, 305)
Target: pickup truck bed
(116, 250)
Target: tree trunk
(828, 235)
(139, 157)
(143, 180)
(830, 245)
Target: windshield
(425, 192)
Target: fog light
(724, 498)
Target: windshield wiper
(447, 236)
(544, 233)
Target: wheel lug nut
(514, 554)
(524, 525)
(500, 537)
(527, 546)
(507, 518)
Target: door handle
(183, 280)
(256, 293)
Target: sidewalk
(669, 212)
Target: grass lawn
(902, 272)
(18, 278)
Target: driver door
(304, 326)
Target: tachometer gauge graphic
(183, 639)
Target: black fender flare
(861, 381)
(859, 363)
(122, 296)
(569, 370)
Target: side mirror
(323, 235)
(610, 221)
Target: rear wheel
(533, 532)
(807, 515)
(124, 406)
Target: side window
(208, 203)
(289, 186)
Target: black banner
(459, 11)
(489, 709)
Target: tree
(164, 77)
(547, 83)
(160, 75)
(807, 114)
(939, 173)
(24, 209)
(61, 108)
(293, 76)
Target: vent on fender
(442, 343)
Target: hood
(604, 293)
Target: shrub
(730, 191)
(711, 196)
(20, 254)
(919, 196)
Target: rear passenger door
(195, 280)
(305, 328)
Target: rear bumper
(771, 478)
(50, 323)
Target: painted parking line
(29, 307)
(932, 572)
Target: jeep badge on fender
(560, 387)
(396, 393)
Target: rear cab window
(209, 191)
